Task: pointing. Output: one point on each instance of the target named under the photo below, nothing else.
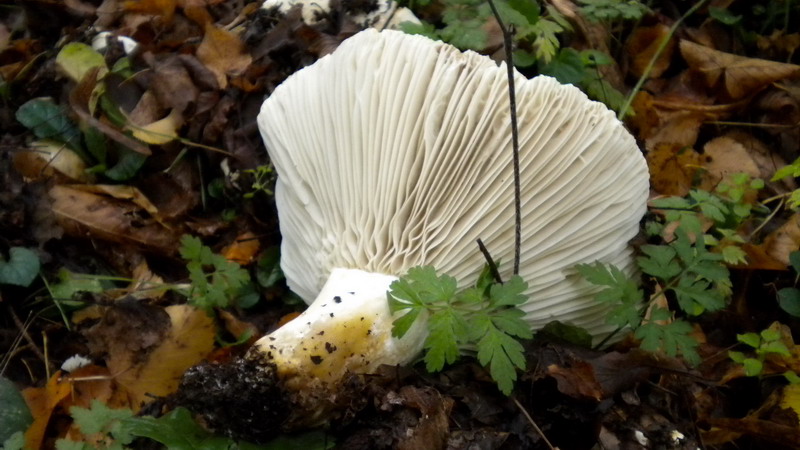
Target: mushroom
(394, 152)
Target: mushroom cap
(395, 151)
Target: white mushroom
(395, 151)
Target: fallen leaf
(163, 8)
(738, 75)
(41, 402)
(224, 53)
(672, 168)
(189, 339)
(643, 44)
(42, 159)
(785, 240)
(725, 156)
(577, 381)
(243, 250)
(77, 59)
(161, 131)
(83, 213)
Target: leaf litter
(116, 156)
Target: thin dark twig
(512, 98)
(533, 423)
(490, 262)
(23, 329)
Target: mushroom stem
(348, 328)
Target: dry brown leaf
(41, 401)
(740, 76)
(577, 381)
(723, 157)
(643, 44)
(163, 8)
(785, 240)
(189, 339)
(223, 53)
(83, 213)
(672, 168)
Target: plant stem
(661, 46)
(507, 44)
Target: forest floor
(112, 157)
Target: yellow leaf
(189, 340)
(77, 59)
(160, 131)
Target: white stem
(348, 328)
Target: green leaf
(752, 367)
(794, 261)
(659, 261)
(177, 431)
(14, 415)
(127, 165)
(15, 442)
(724, 16)
(619, 290)
(70, 283)
(49, 121)
(21, 268)
(791, 377)
(528, 8)
(673, 338)
(268, 270)
(566, 332)
(789, 301)
(99, 418)
(733, 254)
(751, 339)
(77, 59)
(446, 330)
(215, 281)
(502, 354)
(510, 293)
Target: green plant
(613, 10)
(768, 342)
(536, 30)
(215, 281)
(791, 170)
(21, 268)
(263, 179)
(485, 317)
(117, 428)
(789, 297)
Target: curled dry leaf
(739, 76)
(243, 250)
(83, 213)
(161, 131)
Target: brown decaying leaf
(785, 240)
(44, 159)
(171, 83)
(642, 45)
(223, 53)
(740, 76)
(85, 214)
(163, 8)
(433, 428)
(41, 401)
(672, 168)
